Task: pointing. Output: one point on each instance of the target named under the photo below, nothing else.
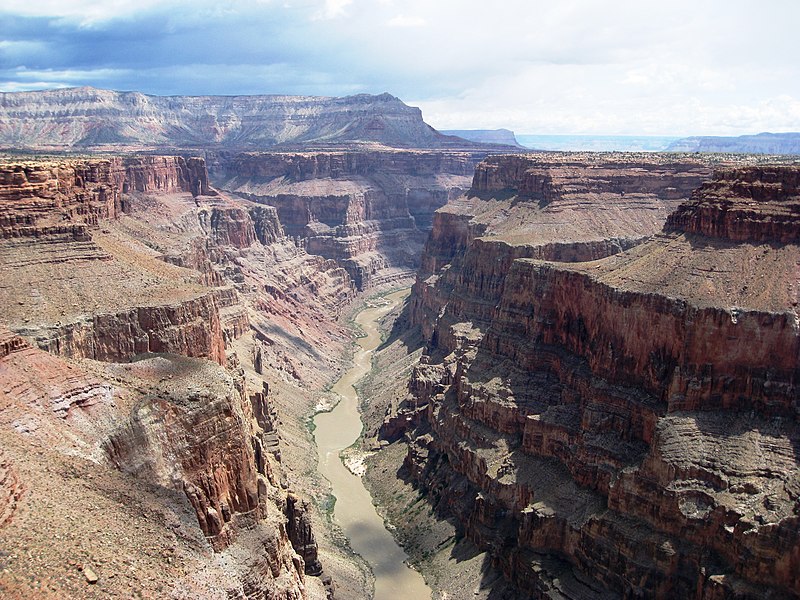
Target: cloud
(534, 66)
(332, 9)
(85, 12)
(404, 21)
(70, 75)
(28, 86)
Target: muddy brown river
(354, 511)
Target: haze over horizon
(577, 67)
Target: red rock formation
(39, 197)
(755, 205)
(104, 287)
(169, 421)
(301, 534)
(610, 204)
(364, 209)
(191, 328)
(166, 174)
(11, 490)
(197, 439)
(625, 425)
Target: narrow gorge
(591, 390)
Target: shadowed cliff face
(367, 210)
(127, 283)
(609, 418)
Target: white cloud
(83, 11)
(535, 66)
(404, 21)
(72, 76)
(332, 9)
(28, 86)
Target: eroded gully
(354, 511)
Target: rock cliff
(127, 282)
(565, 207)
(614, 419)
(754, 205)
(88, 118)
(63, 196)
(367, 210)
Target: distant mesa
(503, 137)
(87, 118)
(762, 143)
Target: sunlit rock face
(88, 118)
(135, 447)
(609, 408)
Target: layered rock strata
(619, 426)
(164, 276)
(41, 198)
(169, 421)
(88, 118)
(562, 207)
(368, 210)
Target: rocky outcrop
(42, 198)
(622, 426)
(748, 204)
(196, 440)
(301, 534)
(172, 423)
(166, 174)
(364, 209)
(566, 208)
(97, 119)
(190, 328)
(11, 490)
(548, 178)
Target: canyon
(368, 210)
(590, 392)
(141, 309)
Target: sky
(645, 67)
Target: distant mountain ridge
(89, 118)
(761, 143)
(504, 137)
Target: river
(354, 511)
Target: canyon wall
(62, 196)
(367, 210)
(607, 410)
(127, 283)
(564, 207)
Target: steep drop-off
(609, 415)
(367, 210)
(563, 207)
(159, 307)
